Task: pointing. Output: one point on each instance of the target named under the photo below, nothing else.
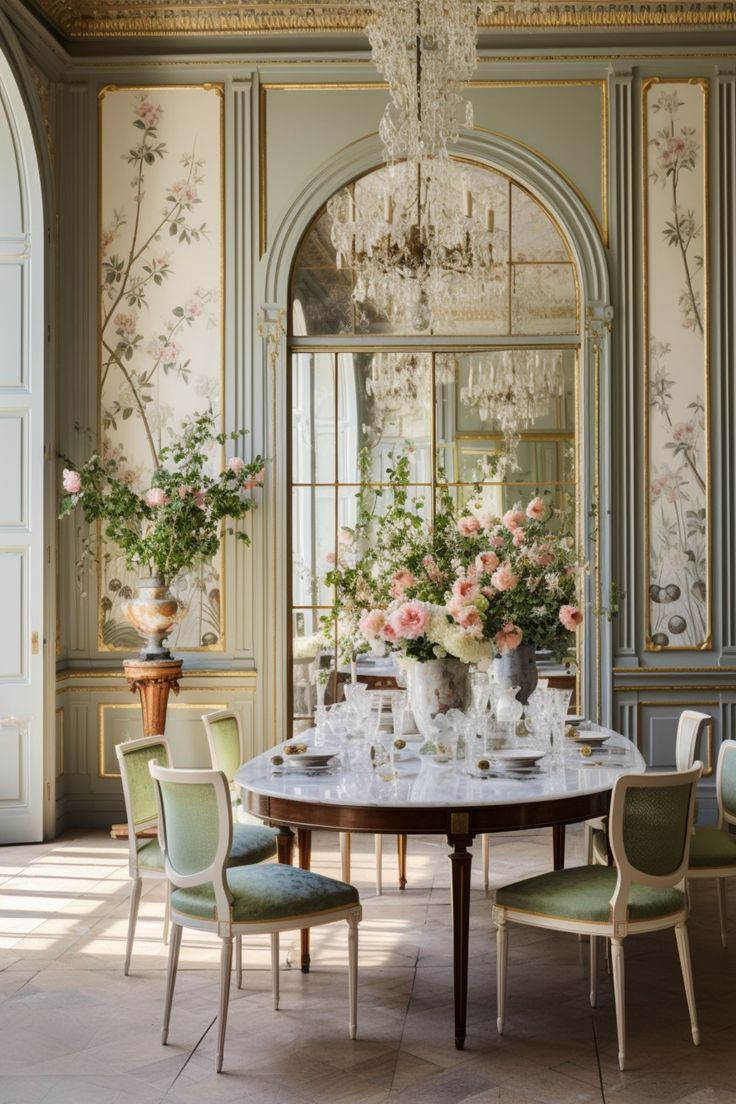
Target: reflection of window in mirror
(362, 384)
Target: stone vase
(518, 668)
(153, 612)
(435, 687)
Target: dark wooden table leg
(401, 851)
(304, 838)
(461, 860)
(285, 846)
(558, 846)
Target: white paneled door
(21, 473)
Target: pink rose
(518, 536)
(410, 620)
(512, 519)
(236, 464)
(249, 484)
(156, 497)
(544, 557)
(72, 481)
(260, 475)
(508, 638)
(497, 541)
(486, 563)
(389, 633)
(468, 525)
(571, 617)
(536, 509)
(199, 499)
(372, 623)
(503, 578)
(331, 559)
(470, 619)
(466, 590)
(401, 582)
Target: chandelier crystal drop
(513, 387)
(399, 382)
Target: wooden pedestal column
(153, 679)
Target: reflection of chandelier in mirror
(425, 243)
(399, 382)
(513, 387)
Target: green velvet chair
(650, 825)
(713, 850)
(145, 858)
(225, 741)
(196, 829)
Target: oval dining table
(426, 798)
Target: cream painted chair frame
(227, 929)
(619, 926)
(690, 725)
(720, 873)
(138, 873)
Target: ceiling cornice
(85, 19)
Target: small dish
(511, 757)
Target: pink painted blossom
(372, 623)
(126, 322)
(157, 497)
(512, 519)
(470, 619)
(401, 582)
(518, 537)
(466, 590)
(571, 617)
(170, 352)
(72, 481)
(236, 464)
(410, 620)
(148, 112)
(536, 509)
(486, 563)
(192, 309)
(685, 433)
(508, 638)
(468, 525)
(503, 578)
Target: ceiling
(83, 19)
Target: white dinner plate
(590, 739)
(512, 758)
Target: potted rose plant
(176, 523)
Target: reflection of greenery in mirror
(382, 388)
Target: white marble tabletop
(419, 782)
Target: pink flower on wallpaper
(149, 113)
(126, 323)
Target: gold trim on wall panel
(103, 706)
(219, 91)
(641, 705)
(706, 644)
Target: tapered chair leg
(378, 841)
(353, 976)
(683, 947)
(345, 848)
(174, 945)
(167, 913)
(502, 953)
(486, 848)
(226, 965)
(721, 890)
(275, 969)
(619, 995)
(239, 962)
(135, 900)
(593, 970)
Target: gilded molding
(109, 18)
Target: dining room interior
(368, 723)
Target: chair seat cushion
(712, 847)
(583, 893)
(271, 892)
(251, 844)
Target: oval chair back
(649, 829)
(689, 729)
(225, 740)
(726, 783)
(195, 829)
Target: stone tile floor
(75, 1031)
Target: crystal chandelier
(401, 381)
(513, 387)
(422, 244)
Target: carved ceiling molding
(109, 18)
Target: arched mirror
(502, 375)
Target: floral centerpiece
(172, 526)
(468, 586)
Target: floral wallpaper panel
(677, 364)
(160, 355)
